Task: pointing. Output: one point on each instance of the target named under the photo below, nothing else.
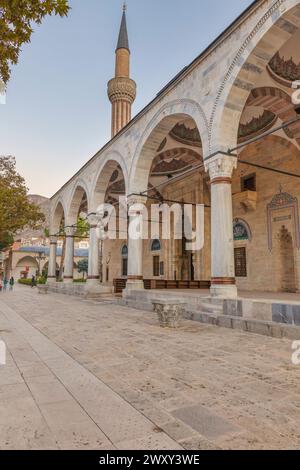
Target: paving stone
(124, 377)
(178, 430)
(199, 443)
(205, 421)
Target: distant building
(24, 260)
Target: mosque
(225, 134)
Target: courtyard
(96, 375)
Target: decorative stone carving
(169, 312)
(220, 166)
(257, 125)
(136, 204)
(283, 201)
(70, 231)
(122, 88)
(136, 199)
(185, 135)
(285, 68)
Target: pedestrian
(11, 283)
(1, 285)
(5, 282)
(33, 281)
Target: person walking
(33, 281)
(5, 282)
(11, 283)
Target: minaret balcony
(122, 88)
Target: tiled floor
(86, 375)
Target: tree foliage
(16, 20)
(83, 266)
(16, 211)
(82, 228)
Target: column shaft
(52, 260)
(135, 245)
(93, 272)
(94, 288)
(69, 256)
(222, 246)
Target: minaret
(121, 89)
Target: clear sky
(57, 114)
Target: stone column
(93, 286)
(69, 256)
(135, 281)
(52, 260)
(222, 266)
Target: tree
(16, 19)
(82, 228)
(16, 211)
(83, 266)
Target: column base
(51, 280)
(223, 290)
(132, 285)
(94, 289)
(68, 280)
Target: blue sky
(57, 114)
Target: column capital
(70, 231)
(53, 239)
(94, 220)
(134, 199)
(220, 168)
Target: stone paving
(86, 375)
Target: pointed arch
(80, 190)
(58, 214)
(159, 126)
(112, 162)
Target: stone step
(211, 314)
(210, 307)
(275, 330)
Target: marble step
(261, 327)
(210, 307)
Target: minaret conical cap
(123, 42)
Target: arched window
(155, 245)
(124, 253)
(241, 230)
(125, 250)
